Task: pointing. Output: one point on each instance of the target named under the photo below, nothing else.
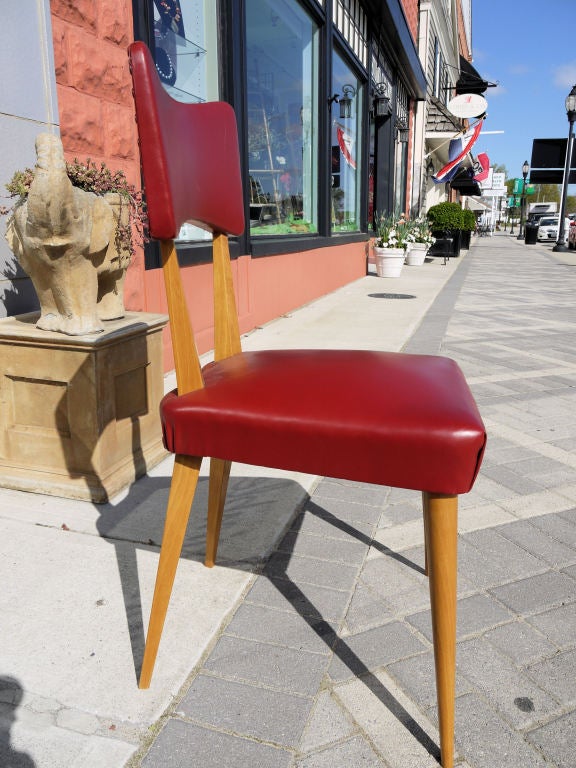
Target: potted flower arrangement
(421, 240)
(392, 236)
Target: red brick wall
(95, 94)
(462, 41)
(411, 13)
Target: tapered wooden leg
(441, 515)
(219, 474)
(182, 489)
(424, 507)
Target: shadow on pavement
(339, 647)
(10, 697)
(391, 296)
(257, 509)
(249, 501)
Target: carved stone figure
(64, 238)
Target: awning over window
(476, 205)
(464, 183)
(470, 81)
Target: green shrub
(443, 216)
(468, 220)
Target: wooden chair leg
(219, 474)
(441, 516)
(182, 490)
(425, 515)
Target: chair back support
(191, 168)
(190, 158)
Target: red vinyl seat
(347, 414)
(400, 420)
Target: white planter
(389, 261)
(415, 254)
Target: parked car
(548, 229)
(572, 234)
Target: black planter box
(448, 243)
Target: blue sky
(529, 49)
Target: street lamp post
(571, 114)
(512, 216)
(525, 171)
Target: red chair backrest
(190, 157)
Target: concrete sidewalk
(320, 654)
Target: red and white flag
(469, 140)
(482, 167)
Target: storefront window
(282, 74)
(345, 213)
(401, 169)
(351, 21)
(401, 153)
(371, 173)
(185, 48)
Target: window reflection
(282, 67)
(345, 212)
(186, 57)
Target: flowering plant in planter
(392, 231)
(420, 231)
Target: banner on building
(470, 138)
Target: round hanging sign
(467, 105)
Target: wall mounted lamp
(381, 102)
(348, 93)
(402, 131)
(345, 101)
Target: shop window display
(282, 101)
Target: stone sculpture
(64, 239)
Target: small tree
(546, 193)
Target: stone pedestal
(79, 414)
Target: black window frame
(232, 76)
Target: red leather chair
(394, 419)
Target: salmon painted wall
(266, 287)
